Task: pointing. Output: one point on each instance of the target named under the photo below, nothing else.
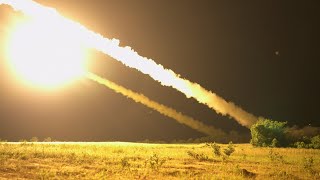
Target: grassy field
(153, 161)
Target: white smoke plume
(167, 111)
(132, 59)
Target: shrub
(155, 162)
(200, 157)
(306, 142)
(315, 142)
(300, 144)
(275, 143)
(215, 148)
(229, 150)
(268, 133)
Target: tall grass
(153, 161)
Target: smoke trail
(167, 111)
(297, 132)
(132, 59)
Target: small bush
(215, 148)
(300, 145)
(200, 157)
(315, 142)
(275, 143)
(155, 162)
(229, 150)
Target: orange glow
(45, 54)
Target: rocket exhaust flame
(167, 111)
(132, 59)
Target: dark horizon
(261, 56)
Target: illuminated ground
(153, 161)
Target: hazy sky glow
(248, 55)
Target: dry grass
(152, 161)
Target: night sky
(263, 56)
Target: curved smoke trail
(132, 59)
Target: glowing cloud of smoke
(167, 111)
(308, 131)
(132, 59)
